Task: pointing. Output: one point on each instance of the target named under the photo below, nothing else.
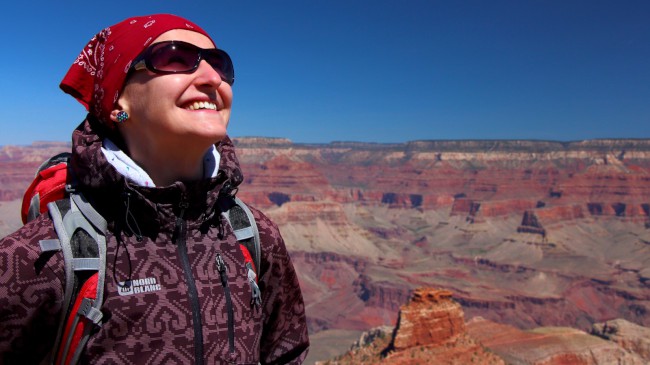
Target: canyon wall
(524, 233)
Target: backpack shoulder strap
(248, 233)
(242, 221)
(81, 235)
(50, 183)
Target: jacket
(189, 299)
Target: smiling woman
(154, 160)
(176, 116)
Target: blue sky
(362, 70)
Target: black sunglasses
(170, 57)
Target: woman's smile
(201, 105)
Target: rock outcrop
(430, 330)
(430, 318)
(630, 336)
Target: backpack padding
(90, 213)
(34, 209)
(63, 157)
(64, 239)
(256, 249)
(84, 250)
(82, 315)
(49, 185)
(242, 221)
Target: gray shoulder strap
(64, 242)
(90, 213)
(257, 250)
(242, 221)
(80, 216)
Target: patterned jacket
(169, 242)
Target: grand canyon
(526, 237)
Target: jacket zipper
(223, 274)
(181, 244)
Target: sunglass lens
(221, 62)
(174, 58)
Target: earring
(122, 116)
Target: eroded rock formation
(430, 330)
(430, 318)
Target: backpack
(81, 237)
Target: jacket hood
(152, 208)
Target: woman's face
(160, 107)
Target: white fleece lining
(130, 169)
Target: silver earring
(122, 116)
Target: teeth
(197, 105)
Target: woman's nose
(206, 74)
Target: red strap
(247, 257)
(88, 290)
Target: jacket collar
(155, 208)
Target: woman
(154, 160)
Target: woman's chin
(214, 136)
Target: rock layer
(430, 318)
(549, 345)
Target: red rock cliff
(430, 330)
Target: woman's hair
(97, 76)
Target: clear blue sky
(368, 70)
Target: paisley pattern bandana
(97, 76)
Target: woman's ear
(113, 115)
(119, 116)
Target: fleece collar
(136, 174)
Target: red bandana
(98, 74)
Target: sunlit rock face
(430, 330)
(430, 318)
(630, 336)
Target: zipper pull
(179, 219)
(256, 294)
(183, 204)
(221, 267)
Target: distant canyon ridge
(524, 233)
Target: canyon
(524, 234)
